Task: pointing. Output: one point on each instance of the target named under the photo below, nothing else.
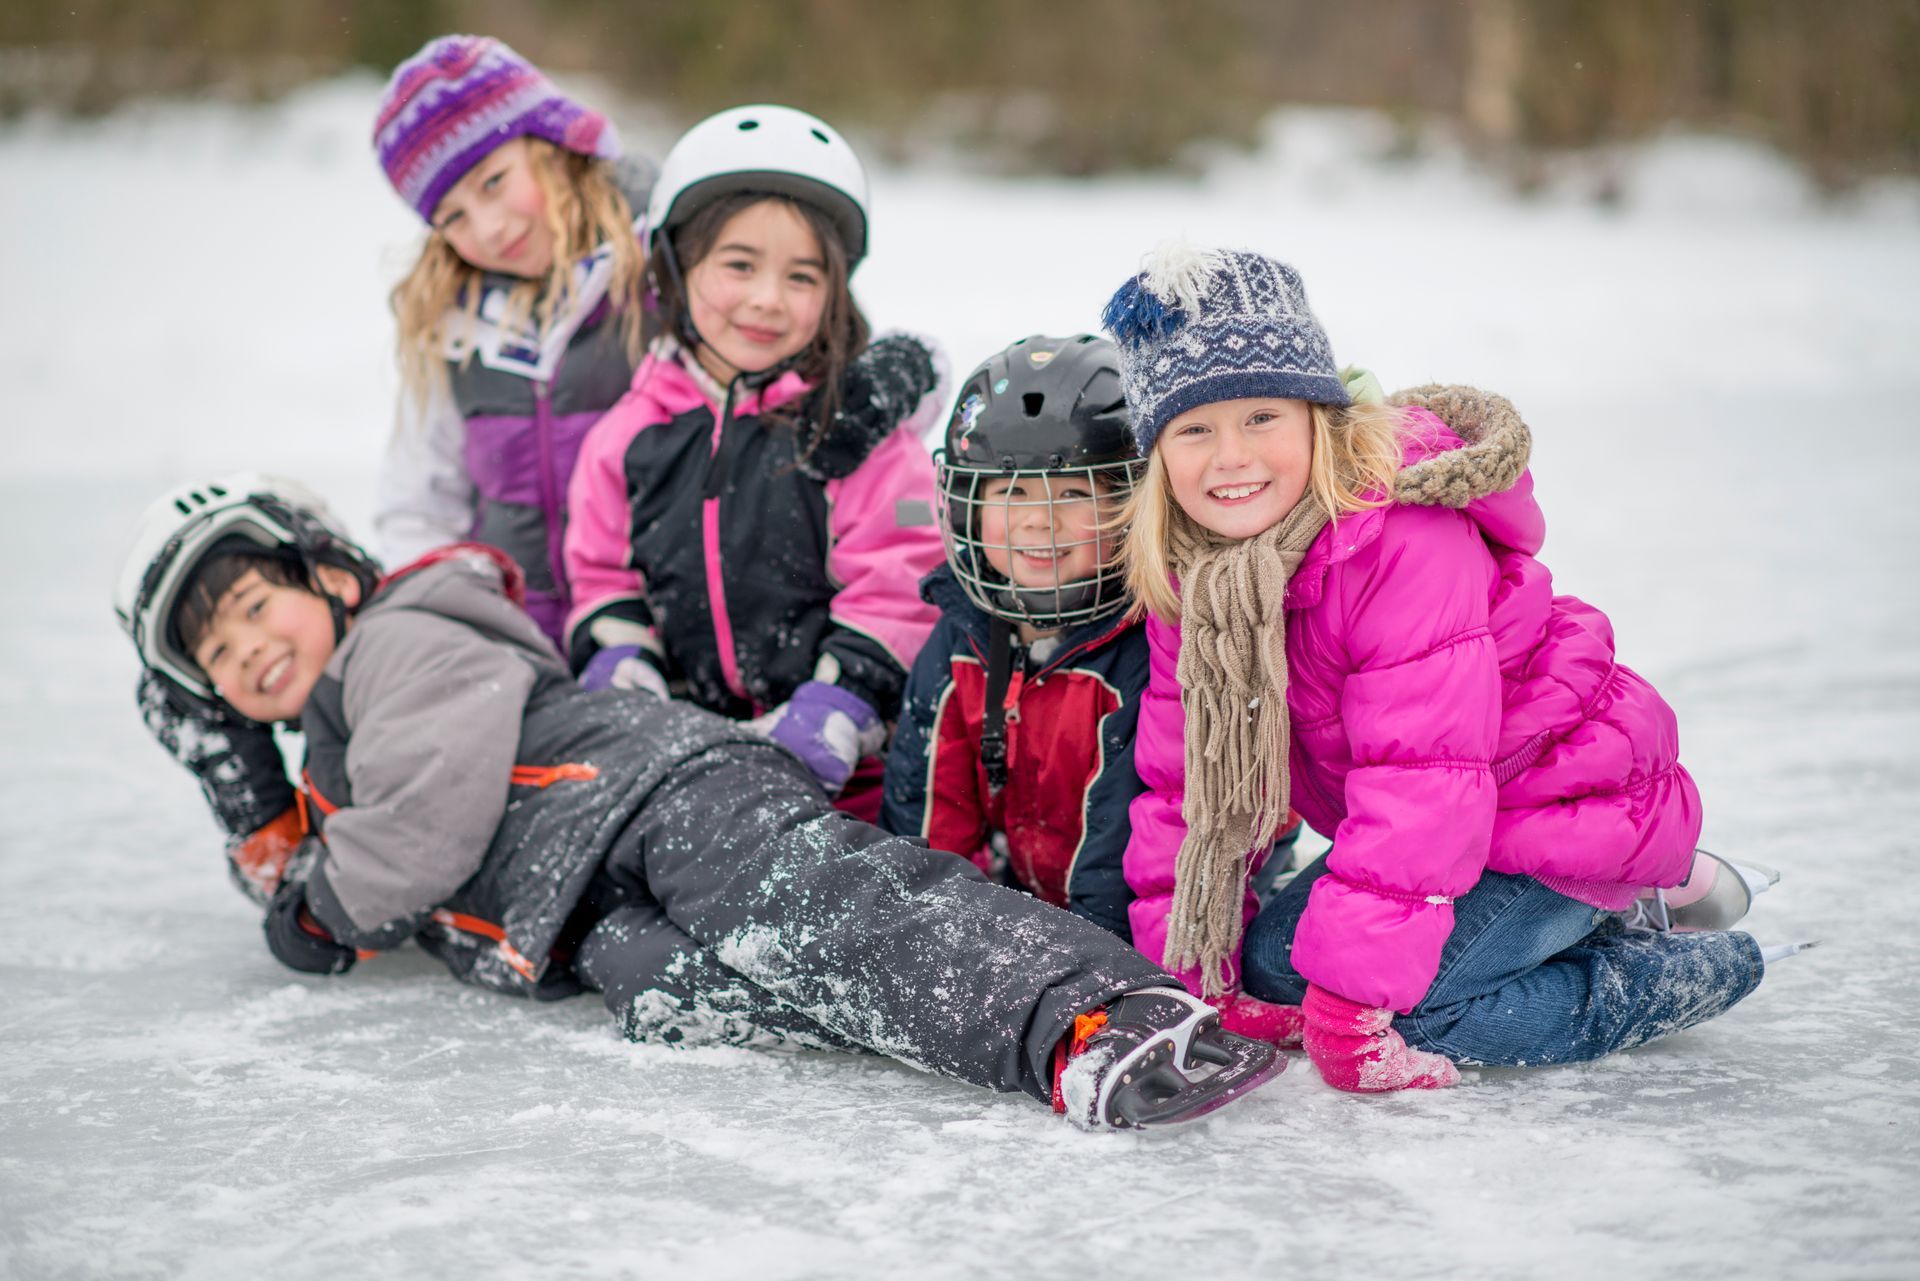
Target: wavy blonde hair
(585, 210)
(1356, 454)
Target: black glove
(881, 386)
(236, 762)
(294, 937)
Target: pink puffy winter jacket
(1449, 714)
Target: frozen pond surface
(1723, 387)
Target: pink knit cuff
(1608, 896)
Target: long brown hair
(843, 330)
(585, 210)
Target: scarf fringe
(1233, 680)
(1233, 669)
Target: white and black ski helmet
(184, 524)
(1042, 407)
(768, 148)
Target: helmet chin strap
(338, 609)
(993, 726)
(683, 323)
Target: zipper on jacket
(718, 463)
(551, 502)
(545, 776)
(720, 458)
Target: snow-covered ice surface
(1722, 379)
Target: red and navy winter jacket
(1069, 748)
(697, 522)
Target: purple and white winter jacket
(488, 456)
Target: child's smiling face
(266, 643)
(757, 296)
(495, 217)
(1041, 531)
(1237, 467)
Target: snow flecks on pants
(727, 1016)
(876, 939)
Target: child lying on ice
(462, 790)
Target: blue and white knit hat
(1200, 325)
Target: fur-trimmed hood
(1464, 449)
(1495, 449)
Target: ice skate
(1156, 1056)
(1716, 895)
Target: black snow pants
(755, 913)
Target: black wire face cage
(1041, 528)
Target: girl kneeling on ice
(1346, 612)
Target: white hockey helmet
(762, 147)
(183, 524)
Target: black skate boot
(1156, 1056)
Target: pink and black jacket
(698, 529)
(1069, 753)
(1450, 713)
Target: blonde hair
(585, 209)
(1356, 454)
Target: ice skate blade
(1162, 1093)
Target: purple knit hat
(460, 97)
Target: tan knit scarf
(1233, 694)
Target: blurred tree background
(1080, 86)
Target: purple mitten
(828, 728)
(623, 667)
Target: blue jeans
(1529, 976)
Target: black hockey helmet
(1043, 406)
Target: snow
(1720, 373)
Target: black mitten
(882, 386)
(236, 762)
(295, 938)
(888, 379)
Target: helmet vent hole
(748, 126)
(1033, 402)
(821, 136)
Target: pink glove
(1261, 1020)
(1356, 1049)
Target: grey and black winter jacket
(466, 788)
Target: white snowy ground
(1722, 380)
